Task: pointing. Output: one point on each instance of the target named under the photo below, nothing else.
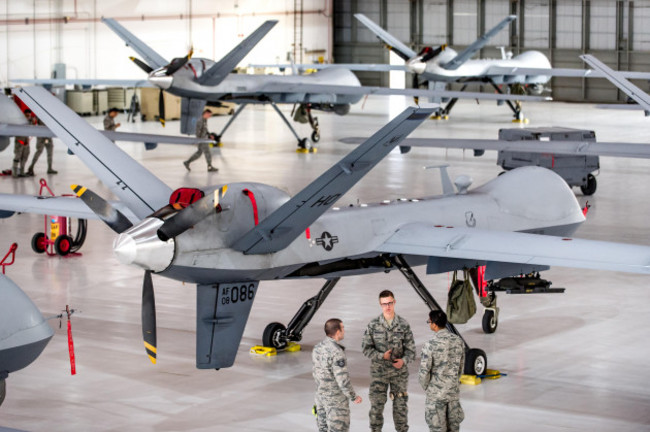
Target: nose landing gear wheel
(315, 136)
(475, 362)
(275, 335)
(490, 321)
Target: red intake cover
(183, 197)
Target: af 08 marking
(237, 293)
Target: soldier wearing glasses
(388, 343)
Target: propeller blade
(142, 65)
(191, 215)
(178, 63)
(149, 317)
(102, 208)
(161, 107)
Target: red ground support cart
(60, 228)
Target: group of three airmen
(388, 343)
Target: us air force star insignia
(327, 240)
(340, 363)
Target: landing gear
(275, 335)
(590, 188)
(515, 107)
(490, 321)
(278, 336)
(443, 114)
(475, 359)
(218, 136)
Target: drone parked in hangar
(200, 81)
(226, 239)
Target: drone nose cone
(141, 246)
(161, 80)
(415, 65)
(125, 249)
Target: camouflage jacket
(443, 359)
(330, 372)
(379, 338)
(109, 123)
(202, 128)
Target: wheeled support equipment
(278, 336)
(475, 358)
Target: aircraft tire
(3, 390)
(475, 362)
(490, 321)
(274, 336)
(315, 137)
(590, 188)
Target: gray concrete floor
(575, 361)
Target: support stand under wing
(221, 314)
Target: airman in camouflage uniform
(41, 143)
(333, 387)
(443, 358)
(388, 342)
(109, 120)
(203, 148)
(21, 151)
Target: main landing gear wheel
(63, 245)
(490, 321)
(315, 136)
(3, 390)
(475, 362)
(590, 188)
(39, 242)
(275, 335)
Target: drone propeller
(102, 208)
(149, 317)
(161, 107)
(142, 65)
(192, 214)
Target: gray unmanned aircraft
(436, 67)
(24, 332)
(228, 238)
(199, 81)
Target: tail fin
(151, 57)
(616, 78)
(393, 43)
(140, 190)
(461, 58)
(223, 67)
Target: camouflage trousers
(380, 388)
(21, 155)
(444, 416)
(40, 144)
(334, 417)
(203, 148)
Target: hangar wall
(36, 34)
(617, 32)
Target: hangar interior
(574, 361)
